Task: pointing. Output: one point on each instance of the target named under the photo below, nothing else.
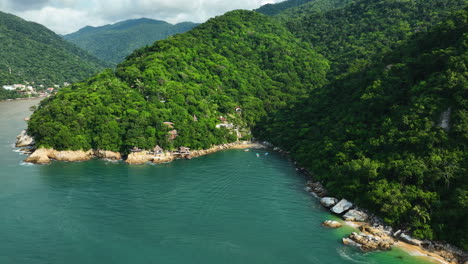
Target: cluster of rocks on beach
(373, 234)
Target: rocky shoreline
(46, 155)
(374, 235)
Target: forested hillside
(274, 9)
(30, 52)
(112, 43)
(295, 13)
(352, 36)
(394, 135)
(240, 66)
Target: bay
(227, 207)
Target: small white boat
(246, 150)
(258, 155)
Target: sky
(67, 16)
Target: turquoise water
(228, 207)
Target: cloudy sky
(66, 16)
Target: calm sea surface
(228, 207)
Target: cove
(227, 207)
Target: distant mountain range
(112, 43)
(32, 53)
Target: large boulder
(332, 224)
(43, 155)
(317, 188)
(109, 155)
(408, 239)
(139, 157)
(24, 140)
(40, 156)
(349, 242)
(355, 215)
(328, 201)
(341, 207)
(369, 242)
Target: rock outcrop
(44, 155)
(141, 157)
(332, 224)
(24, 140)
(370, 239)
(109, 155)
(341, 207)
(328, 202)
(355, 215)
(408, 239)
(317, 188)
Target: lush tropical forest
(371, 96)
(32, 53)
(274, 9)
(393, 136)
(195, 81)
(112, 43)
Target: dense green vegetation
(310, 8)
(112, 43)
(351, 37)
(274, 9)
(374, 136)
(32, 53)
(371, 132)
(240, 59)
(7, 94)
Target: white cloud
(66, 16)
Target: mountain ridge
(113, 42)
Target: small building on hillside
(184, 151)
(157, 150)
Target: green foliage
(32, 53)
(112, 43)
(374, 135)
(274, 9)
(8, 94)
(240, 59)
(352, 33)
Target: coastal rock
(163, 158)
(328, 201)
(371, 242)
(317, 188)
(40, 156)
(70, 155)
(24, 140)
(355, 215)
(139, 157)
(105, 154)
(43, 155)
(349, 242)
(332, 224)
(408, 239)
(342, 206)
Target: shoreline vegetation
(374, 234)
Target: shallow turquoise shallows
(228, 207)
